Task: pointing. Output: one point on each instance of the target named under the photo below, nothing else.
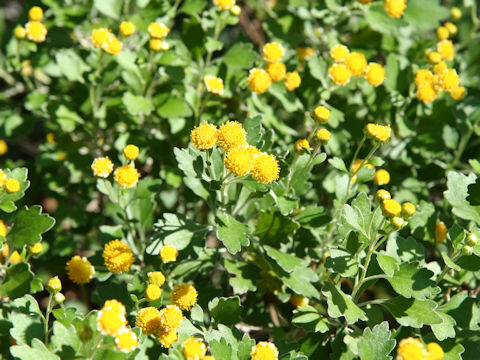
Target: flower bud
(383, 195)
(54, 285)
(20, 32)
(467, 250)
(236, 10)
(398, 222)
(59, 298)
(472, 239)
(455, 13)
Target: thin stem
(239, 208)
(307, 165)
(463, 144)
(454, 257)
(364, 272)
(47, 317)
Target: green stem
(307, 165)
(47, 317)
(454, 257)
(463, 144)
(364, 272)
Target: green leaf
(38, 351)
(110, 8)
(413, 312)
(26, 327)
(65, 339)
(67, 118)
(136, 105)
(446, 329)
(286, 261)
(308, 318)
(388, 264)
(301, 281)
(338, 164)
(232, 233)
(457, 193)
(246, 276)
(378, 20)
(17, 281)
(71, 65)
(226, 310)
(193, 7)
(29, 226)
(416, 10)
(449, 262)
(220, 349)
(285, 205)
(172, 106)
(411, 280)
(341, 304)
(274, 228)
(313, 217)
(342, 262)
(376, 344)
(253, 127)
(405, 250)
(240, 55)
(318, 69)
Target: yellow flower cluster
(264, 351)
(168, 254)
(117, 256)
(195, 349)
(104, 39)
(127, 28)
(377, 132)
(413, 349)
(153, 291)
(9, 185)
(34, 29)
(392, 209)
(158, 31)
(395, 8)
(348, 64)
(224, 4)
(184, 296)
(163, 323)
(298, 300)
(80, 270)
(213, 84)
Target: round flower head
(167, 338)
(451, 27)
(358, 163)
(395, 8)
(472, 239)
(126, 341)
(264, 351)
(410, 349)
(115, 306)
(391, 207)
(441, 232)
(439, 68)
(239, 160)
(442, 33)
(194, 349)
(449, 79)
(118, 256)
(59, 298)
(356, 63)
(102, 167)
(398, 222)
(158, 30)
(408, 209)
(153, 292)
(381, 177)
(113, 45)
(16, 257)
(423, 76)
(292, 80)
(339, 53)
(445, 48)
(20, 32)
(435, 351)
(156, 278)
(434, 57)
(204, 136)
(265, 169)
(298, 300)
(171, 317)
(148, 319)
(301, 145)
(273, 51)
(99, 37)
(126, 176)
(259, 81)
(277, 71)
(131, 152)
(79, 270)
(375, 74)
(110, 322)
(426, 93)
(158, 45)
(12, 186)
(340, 74)
(168, 254)
(127, 28)
(322, 114)
(35, 13)
(184, 296)
(3, 229)
(54, 284)
(304, 53)
(36, 249)
(224, 4)
(458, 92)
(36, 31)
(323, 135)
(213, 84)
(455, 13)
(379, 133)
(231, 135)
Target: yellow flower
(126, 176)
(408, 209)
(277, 71)
(80, 270)
(194, 349)
(426, 93)
(114, 305)
(36, 31)
(131, 152)
(322, 114)
(15, 257)
(449, 79)
(434, 57)
(118, 256)
(265, 169)
(340, 74)
(239, 160)
(442, 33)
(292, 80)
(153, 292)
(167, 338)
(12, 186)
(339, 53)
(301, 145)
(451, 27)
(298, 300)
(168, 254)
(264, 351)
(457, 92)
(148, 319)
(4, 253)
(157, 45)
(126, 341)
(184, 296)
(231, 135)
(441, 232)
(102, 167)
(446, 49)
(209, 357)
(411, 349)
(358, 162)
(171, 317)
(356, 63)
(435, 351)
(3, 178)
(381, 177)
(304, 53)
(3, 229)
(391, 207)
(323, 135)
(113, 45)
(59, 298)
(224, 4)
(36, 249)
(455, 13)
(156, 278)
(127, 28)
(273, 51)
(158, 30)
(204, 136)
(20, 32)
(375, 74)
(395, 8)
(378, 132)
(423, 76)
(54, 284)
(259, 81)
(35, 13)
(111, 322)
(439, 68)
(213, 84)
(99, 37)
